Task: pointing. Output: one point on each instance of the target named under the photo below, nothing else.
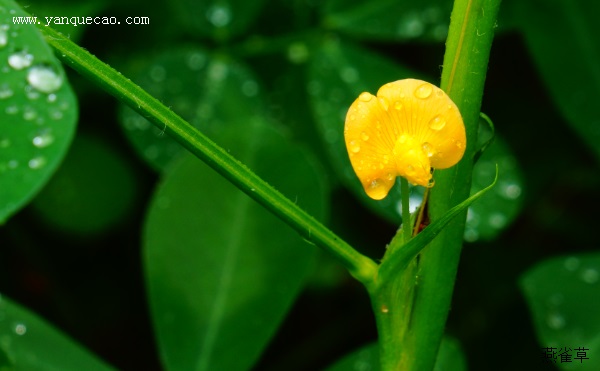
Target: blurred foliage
(98, 246)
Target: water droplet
(471, 234)
(384, 103)
(31, 93)
(349, 75)
(218, 15)
(386, 159)
(29, 114)
(556, 299)
(297, 52)
(365, 96)
(158, 73)
(572, 263)
(3, 35)
(250, 88)
(497, 220)
(354, 147)
(555, 321)
(398, 105)
(11, 110)
(511, 191)
(37, 162)
(424, 91)
(4, 143)
(196, 61)
(12, 164)
(56, 114)
(44, 79)
(364, 136)
(5, 91)
(217, 71)
(428, 149)
(590, 275)
(20, 329)
(43, 139)
(384, 309)
(51, 98)
(411, 25)
(437, 123)
(20, 60)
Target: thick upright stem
(412, 308)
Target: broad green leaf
(563, 36)
(494, 212)
(218, 19)
(32, 344)
(338, 73)
(563, 295)
(38, 111)
(425, 20)
(450, 358)
(222, 271)
(91, 192)
(207, 90)
(363, 359)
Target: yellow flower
(408, 129)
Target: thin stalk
(404, 190)
(114, 83)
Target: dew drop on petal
(364, 136)
(428, 149)
(437, 123)
(354, 147)
(384, 103)
(398, 105)
(424, 91)
(365, 97)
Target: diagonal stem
(113, 82)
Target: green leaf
(563, 295)
(365, 358)
(38, 112)
(208, 91)
(92, 191)
(495, 211)
(219, 19)
(30, 343)
(571, 72)
(338, 73)
(221, 270)
(425, 20)
(450, 358)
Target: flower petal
(409, 127)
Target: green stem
(404, 194)
(416, 292)
(113, 82)
(465, 65)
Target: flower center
(412, 162)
